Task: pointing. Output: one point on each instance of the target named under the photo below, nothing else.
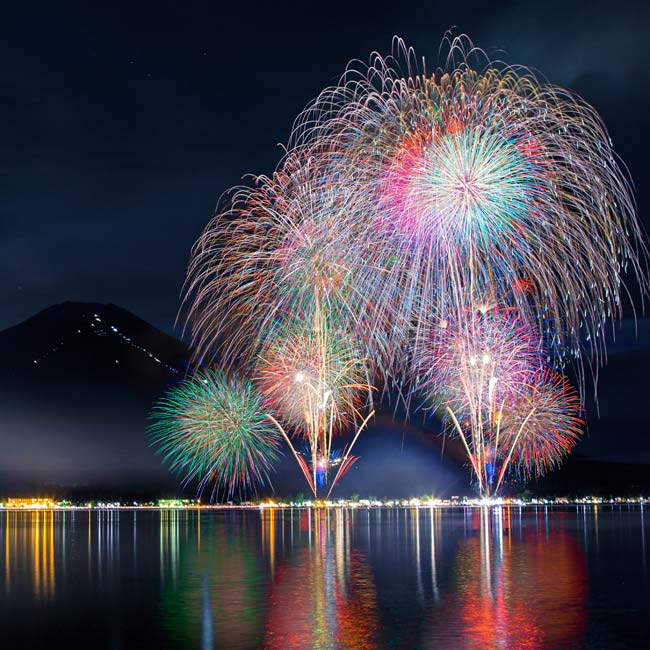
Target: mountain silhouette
(77, 383)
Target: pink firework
(542, 426)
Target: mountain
(71, 341)
(77, 382)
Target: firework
(292, 244)
(213, 429)
(465, 232)
(542, 426)
(487, 357)
(338, 464)
(474, 369)
(488, 185)
(315, 382)
(487, 375)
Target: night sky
(122, 125)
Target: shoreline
(403, 504)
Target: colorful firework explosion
(478, 193)
(475, 369)
(213, 429)
(485, 184)
(289, 245)
(316, 383)
(542, 426)
(487, 375)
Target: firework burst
(315, 382)
(487, 375)
(542, 426)
(213, 429)
(465, 231)
(483, 181)
(474, 370)
(292, 244)
(488, 357)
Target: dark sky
(122, 124)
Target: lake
(444, 578)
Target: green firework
(212, 428)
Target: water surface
(455, 579)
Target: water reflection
(212, 580)
(323, 595)
(512, 587)
(296, 578)
(29, 552)
(302, 579)
(276, 580)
